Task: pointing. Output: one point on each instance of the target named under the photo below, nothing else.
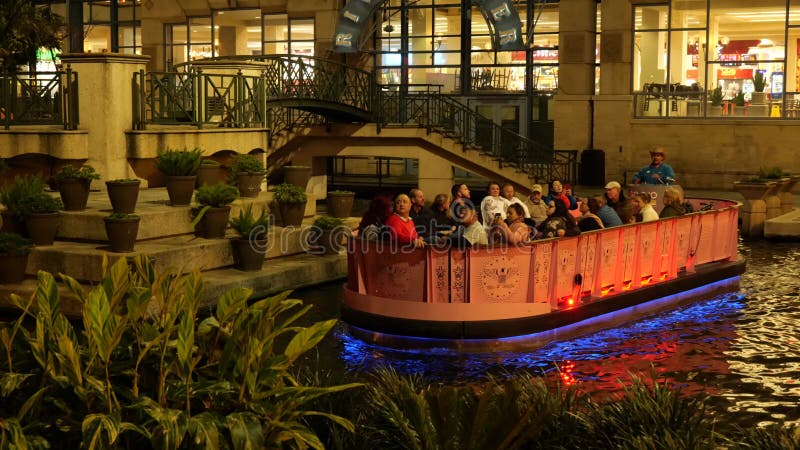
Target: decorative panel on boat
(683, 234)
(721, 249)
(609, 243)
(628, 253)
(438, 277)
(706, 243)
(647, 248)
(542, 260)
(566, 262)
(587, 261)
(498, 275)
(664, 235)
(397, 275)
(458, 276)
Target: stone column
(105, 98)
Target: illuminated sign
(502, 17)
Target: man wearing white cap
(617, 201)
(658, 172)
(536, 206)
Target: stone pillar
(754, 214)
(105, 98)
(576, 57)
(785, 193)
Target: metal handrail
(39, 98)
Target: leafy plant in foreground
(145, 371)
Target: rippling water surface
(742, 349)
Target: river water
(741, 349)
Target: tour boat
(528, 296)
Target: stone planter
(43, 227)
(180, 189)
(292, 213)
(759, 98)
(12, 223)
(214, 222)
(12, 268)
(74, 193)
(754, 190)
(754, 209)
(297, 175)
(785, 193)
(249, 183)
(340, 204)
(123, 195)
(248, 254)
(122, 233)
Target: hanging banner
(502, 17)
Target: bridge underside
(333, 112)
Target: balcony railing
(39, 98)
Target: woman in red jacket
(401, 226)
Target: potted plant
(42, 216)
(716, 102)
(180, 167)
(14, 251)
(73, 185)
(123, 193)
(759, 84)
(209, 172)
(325, 236)
(340, 203)
(739, 103)
(215, 208)
(291, 203)
(248, 172)
(297, 175)
(12, 197)
(121, 231)
(250, 246)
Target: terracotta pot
(325, 242)
(297, 175)
(180, 189)
(248, 255)
(214, 222)
(249, 183)
(340, 205)
(74, 194)
(123, 195)
(12, 223)
(43, 227)
(12, 268)
(122, 233)
(292, 213)
(209, 175)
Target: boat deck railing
(552, 274)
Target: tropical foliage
(24, 29)
(146, 371)
(20, 190)
(179, 162)
(288, 193)
(86, 172)
(247, 224)
(14, 244)
(247, 164)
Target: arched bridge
(268, 91)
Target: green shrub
(86, 172)
(179, 162)
(288, 193)
(146, 371)
(124, 180)
(3, 165)
(739, 99)
(716, 96)
(121, 216)
(327, 222)
(216, 195)
(40, 203)
(248, 225)
(248, 164)
(20, 191)
(208, 162)
(14, 244)
(759, 81)
(771, 173)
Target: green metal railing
(428, 109)
(39, 98)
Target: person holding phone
(492, 205)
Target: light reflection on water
(741, 349)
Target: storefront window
(288, 36)
(99, 26)
(238, 32)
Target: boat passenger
(560, 223)
(609, 217)
(421, 214)
(588, 220)
(469, 232)
(673, 203)
(557, 192)
(492, 205)
(401, 226)
(537, 207)
(460, 198)
(508, 194)
(658, 172)
(643, 208)
(513, 230)
(617, 201)
(442, 223)
(372, 223)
